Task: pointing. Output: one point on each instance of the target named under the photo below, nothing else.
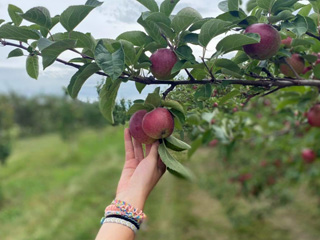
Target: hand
(140, 173)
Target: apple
(287, 42)
(158, 123)
(135, 128)
(215, 104)
(308, 155)
(296, 62)
(314, 115)
(269, 44)
(244, 177)
(235, 109)
(213, 143)
(162, 62)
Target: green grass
(53, 189)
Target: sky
(106, 21)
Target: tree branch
(164, 95)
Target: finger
(138, 150)
(154, 150)
(128, 144)
(161, 166)
(148, 148)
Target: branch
(164, 95)
(262, 82)
(312, 35)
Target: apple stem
(209, 70)
(168, 42)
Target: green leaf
(184, 18)
(233, 5)
(176, 144)
(139, 106)
(50, 53)
(304, 11)
(312, 27)
(223, 6)
(112, 64)
(299, 26)
(140, 86)
(284, 15)
(228, 96)
(163, 22)
(2, 21)
(93, 3)
(14, 14)
(315, 5)
(213, 28)
(316, 71)
(150, 4)
(227, 64)
(153, 30)
(173, 105)
(198, 24)
(266, 4)
(281, 5)
(137, 38)
(73, 15)
(129, 52)
(167, 6)
(251, 4)
(38, 15)
(79, 78)
(108, 95)
(15, 53)
(194, 146)
(44, 43)
(233, 42)
(8, 31)
(172, 164)
(153, 99)
(32, 66)
(203, 92)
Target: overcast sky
(106, 21)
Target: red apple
(235, 109)
(158, 123)
(213, 143)
(287, 42)
(162, 62)
(308, 155)
(268, 45)
(213, 121)
(244, 177)
(135, 128)
(314, 116)
(296, 62)
(215, 104)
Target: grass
(53, 189)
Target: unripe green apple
(296, 62)
(135, 128)
(269, 44)
(163, 61)
(314, 116)
(158, 123)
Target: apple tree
(260, 88)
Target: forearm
(114, 231)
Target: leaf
(172, 164)
(316, 71)
(153, 30)
(232, 42)
(79, 78)
(204, 92)
(44, 43)
(107, 98)
(198, 24)
(140, 86)
(266, 4)
(223, 6)
(233, 5)
(194, 146)
(185, 53)
(14, 14)
(153, 99)
(15, 53)
(178, 115)
(150, 4)
(281, 5)
(184, 18)
(111, 63)
(32, 66)
(139, 106)
(173, 105)
(176, 144)
(284, 15)
(50, 53)
(228, 96)
(73, 15)
(38, 15)
(8, 31)
(137, 38)
(299, 26)
(167, 6)
(213, 28)
(304, 11)
(93, 3)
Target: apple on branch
(162, 62)
(314, 116)
(269, 44)
(296, 62)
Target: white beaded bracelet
(122, 222)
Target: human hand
(140, 173)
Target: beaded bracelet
(123, 213)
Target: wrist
(134, 199)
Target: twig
(164, 95)
(272, 91)
(190, 76)
(269, 74)
(210, 72)
(312, 35)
